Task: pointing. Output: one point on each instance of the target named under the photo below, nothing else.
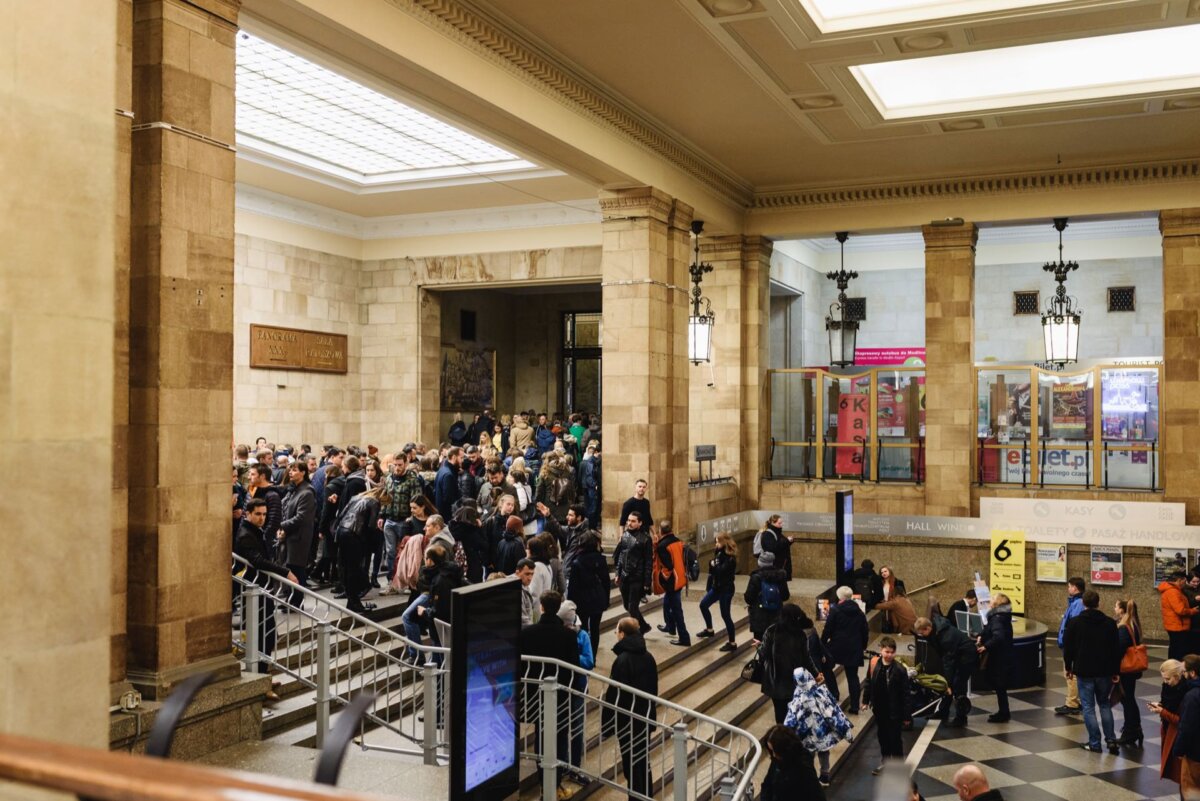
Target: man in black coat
(634, 667)
(845, 637)
(959, 657)
(296, 529)
(261, 487)
(886, 694)
(550, 638)
(638, 503)
(249, 545)
(1092, 654)
(635, 563)
(446, 491)
(867, 583)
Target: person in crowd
(588, 584)
(634, 667)
(241, 465)
(995, 646)
(373, 472)
(590, 482)
(417, 617)
(491, 489)
(1174, 687)
(447, 491)
(550, 638)
(356, 481)
(1075, 589)
(968, 604)
(845, 637)
(634, 557)
(446, 580)
(538, 549)
(1176, 614)
(556, 486)
(280, 470)
(353, 530)
(472, 465)
(402, 486)
(1091, 654)
(972, 785)
(959, 657)
(296, 528)
(672, 577)
(529, 604)
(249, 545)
(437, 534)
(457, 434)
(1187, 742)
(866, 583)
(261, 487)
(494, 523)
(722, 571)
(772, 540)
(1192, 591)
(899, 611)
(784, 648)
(239, 498)
(587, 660)
(791, 775)
(334, 484)
(765, 594)
(817, 718)
(637, 503)
(889, 588)
(521, 434)
(1129, 635)
(886, 693)
(568, 536)
(466, 530)
(511, 549)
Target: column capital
(942, 237)
(681, 216)
(757, 248)
(1179, 222)
(639, 202)
(224, 10)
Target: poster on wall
(468, 379)
(1167, 561)
(853, 413)
(1069, 407)
(889, 357)
(1008, 566)
(1129, 405)
(1051, 562)
(893, 407)
(1019, 413)
(1108, 565)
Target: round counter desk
(1028, 659)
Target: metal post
(251, 606)
(726, 787)
(679, 778)
(550, 737)
(323, 693)
(430, 705)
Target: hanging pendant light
(843, 332)
(1060, 322)
(700, 323)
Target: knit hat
(566, 613)
(514, 524)
(766, 559)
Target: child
(886, 693)
(765, 594)
(817, 718)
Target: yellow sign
(1008, 567)
(1052, 562)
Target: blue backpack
(772, 597)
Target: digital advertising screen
(484, 671)
(844, 522)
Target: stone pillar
(645, 378)
(56, 354)
(1181, 342)
(949, 367)
(756, 340)
(181, 341)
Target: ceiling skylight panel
(849, 15)
(1118, 65)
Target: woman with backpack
(765, 594)
(354, 529)
(817, 718)
(556, 485)
(722, 571)
(784, 648)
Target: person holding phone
(1167, 709)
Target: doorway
(581, 361)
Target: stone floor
(1034, 757)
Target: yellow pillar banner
(1008, 566)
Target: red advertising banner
(853, 416)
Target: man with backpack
(765, 594)
(672, 577)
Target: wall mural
(468, 379)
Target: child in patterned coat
(817, 719)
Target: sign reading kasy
(275, 348)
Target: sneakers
(684, 643)
(1067, 710)
(879, 769)
(998, 718)
(823, 779)
(1087, 747)
(727, 647)
(389, 591)
(705, 634)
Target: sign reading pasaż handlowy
(275, 348)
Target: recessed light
(923, 41)
(729, 7)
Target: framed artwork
(468, 379)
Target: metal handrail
(341, 654)
(708, 754)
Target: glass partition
(794, 423)
(900, 423)
(1129, 428)
(1065, 414)
(1004, 426)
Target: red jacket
(1176, 611)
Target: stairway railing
(341, 654)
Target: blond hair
(1172, 668)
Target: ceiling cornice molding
(440, 223)
(488, 38)
(1002, 184)
(1091, 230)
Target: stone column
(645, 378)
(1181, 343)
(56, 359)
(949, 367)
(756, 340)
(181, 341)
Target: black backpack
(691, 563)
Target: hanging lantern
(700, 322)
(843, 332)
(1060, 321)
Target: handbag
(753, 670)
(1135, 658)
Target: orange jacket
(1176, 610)
(670, 572)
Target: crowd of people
(521, 497)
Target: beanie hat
(566, 613)
(514, 523)
(766, 559)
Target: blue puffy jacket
(544, 438)
(1074, 607)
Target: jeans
(724, 598)
(631, 598)
(673, 614)
(1092, 692)
(391, 536)
(412, 622)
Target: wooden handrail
(117, 776)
